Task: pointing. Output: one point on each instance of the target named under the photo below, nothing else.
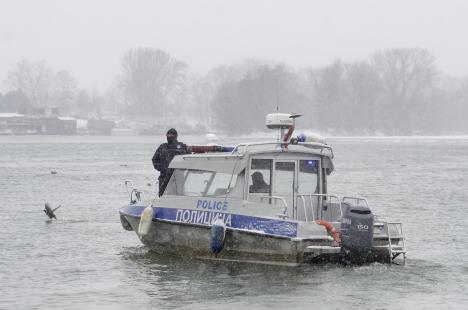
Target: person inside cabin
(258, 184)
(163, 156)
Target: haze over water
(85, 260)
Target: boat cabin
(264, 179)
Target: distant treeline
(396, 91)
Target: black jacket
(165, 153)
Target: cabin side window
(188, 182)
(221, 183)
(260, 176)
(196, 182)
(308, 177)
(175, 186)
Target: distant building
(58, 126)
(18, 124)
(100, 126)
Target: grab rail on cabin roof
(311, 145)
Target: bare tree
(65, 88)
(35, 79)
(458, 108)
(328, 92)
(150, 80)
(464, 90)
(41, 85)
(405, 74)
(240, 105)
(85, 104)
(363, 97)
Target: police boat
(263, 202)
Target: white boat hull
(192, 240)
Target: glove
(217, 148)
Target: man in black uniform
(163, 156)
(258, 184)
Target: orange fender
(331, 231)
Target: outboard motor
(357, 232)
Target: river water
(85, 260)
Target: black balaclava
(171, 136)
(257, 179)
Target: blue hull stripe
(206, 218)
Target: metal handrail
(318, 195)
(305, 209)
(318, 145)
(357, 199)
(302, 196)
(401, 236)
(285, 210)
(280, 143)
(135, 195)
(332, 196)
(276, 198)
(209, 155)
(399, 226)
(247, 144)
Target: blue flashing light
(302, 137)
(227, 148)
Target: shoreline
(201, 139)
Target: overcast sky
(88, 37)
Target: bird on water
(50, 212)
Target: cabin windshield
(277, 177)
(189, 182)
(292, 183)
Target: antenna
(276, 93)
(294, 116)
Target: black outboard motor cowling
(357, 232)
